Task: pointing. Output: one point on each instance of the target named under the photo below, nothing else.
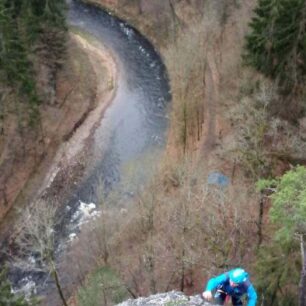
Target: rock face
(173, 298)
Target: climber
(234, 283)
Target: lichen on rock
(173, 298)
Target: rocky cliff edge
(173, 298)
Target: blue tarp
(217, 178)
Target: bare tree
(186, 61)
(36, 239)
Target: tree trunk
(58, 286)
(260, 221)
(182, 285)
(151, 269)
(175, 19)
(184, 131)
(104, 295)
(302, 289)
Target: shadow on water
(133, 127)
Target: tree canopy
(289, 204)
(288, 213)
(276, 44)
(27, 30)
(6, 296)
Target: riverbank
(85, 87)
(73, 154)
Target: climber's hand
(207, 295)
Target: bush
(102, 288)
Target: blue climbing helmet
(238, 276)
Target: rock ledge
(173, 298)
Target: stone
(173, 298)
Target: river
(136, 122)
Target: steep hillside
(23, 151)
(44, 102)
(32, 47)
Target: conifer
(276, 45)
(30, 30)
(6, 295)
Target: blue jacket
(223, 281)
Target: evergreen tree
(276, 45)
(6, 296)
(53, 29)
(30, 30)
(14, 62)
(288, 213)
(278, 268)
